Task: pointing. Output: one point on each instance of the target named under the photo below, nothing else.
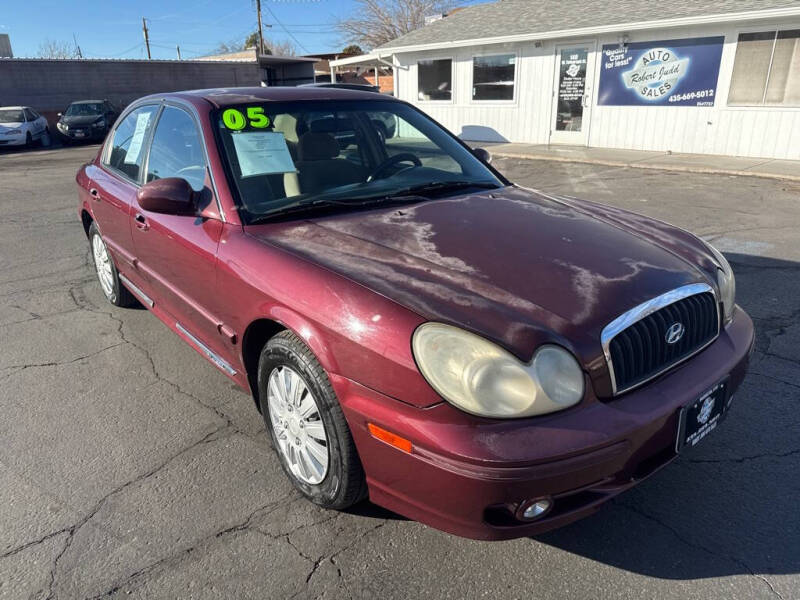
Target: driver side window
(177, 149)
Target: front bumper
(13, 140)
(466, 475)
(80, 134)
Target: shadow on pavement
(728, 506)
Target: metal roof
(519, 17)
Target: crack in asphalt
(183, 552)
(75, 528)
(743, 459)
(744, 566)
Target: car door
(34, 126)
(115, 181)
(177, 253)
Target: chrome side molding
(136, 291)
(207, 352)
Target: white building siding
(769, 132)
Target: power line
(291, 35)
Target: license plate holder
(700, 417)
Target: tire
(45, 140)
(107, 274)
(343, 483)
(28, 140)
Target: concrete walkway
(694, 163)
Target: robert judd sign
(667, 72)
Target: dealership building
(714, 77)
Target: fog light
(530, 510)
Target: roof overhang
(274, 59)
(376, 58)
(768, 14)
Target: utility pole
(146, 37)
(260, 30)
(178, 48)
(77, 48)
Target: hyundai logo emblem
(675, 333)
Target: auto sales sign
(667, 72)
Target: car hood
(5, 126)
(80, 119)
(513, 265)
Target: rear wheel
(305, 422)
(106, 271)
(44, 140)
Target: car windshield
(13, 115)
(84, 109)
(285, 157)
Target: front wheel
(106, 271)
(306, 424)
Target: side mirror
(171, 196)
(59, 114)
(483, 155)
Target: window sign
(571, 88)
(262, 153)
(661, 73)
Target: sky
(113, 28)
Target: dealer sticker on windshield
(262, 153)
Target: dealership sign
(669, 72)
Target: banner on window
(661, 73)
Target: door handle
(141, 222)
(94, 194)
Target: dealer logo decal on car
(705, 410)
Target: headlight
(100, 123)
(13, 131)
(61, 125)
(481, 378)
(726, 282)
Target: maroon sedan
(487, 359)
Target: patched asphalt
(131, 467)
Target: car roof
(87, 102)
(14, 107)
(246, 95)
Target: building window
(767, 69)
(493, 77)
(435, 79)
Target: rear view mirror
(171, 196)
(483, 155)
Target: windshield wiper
(445, 186)
(310, 205)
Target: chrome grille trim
(637, 313)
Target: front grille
(640, 351)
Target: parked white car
(22, 126)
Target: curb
(644, 165)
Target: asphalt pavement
(131, 467)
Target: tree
(284, 48)
(352, 50)
(56, 49)
(379, 21)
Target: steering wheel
(391, 161)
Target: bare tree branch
(379, 21)
(56, 49)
